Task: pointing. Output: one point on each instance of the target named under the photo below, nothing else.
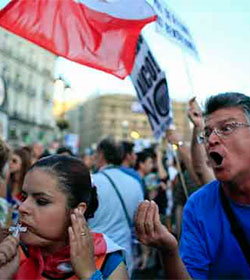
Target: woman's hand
(81, 247)
(9, 257)
(150, 231)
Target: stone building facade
(28, 74)
(116, 115)
(108, 115)
(181, 120)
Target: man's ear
(82, 207)
(141, 165)
(128, 157)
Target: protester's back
(110, 217)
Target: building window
(124, 135)
(13, 133)
(112, 108)
(134, 123)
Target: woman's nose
(25, 207)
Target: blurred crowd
(167, 173)
(118, 212)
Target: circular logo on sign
(161, 98)
(2, 91)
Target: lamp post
(62, 89)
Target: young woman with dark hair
(57, 199)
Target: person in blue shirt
(209, 248)
(129, 160)
(119, 195)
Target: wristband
(200, 139)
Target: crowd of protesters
(119, 213)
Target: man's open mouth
(216, 158)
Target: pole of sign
(188, 74)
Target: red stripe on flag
(74, 31)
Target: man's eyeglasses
(222, 131)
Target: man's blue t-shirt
(208, 248)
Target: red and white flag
(98, 33)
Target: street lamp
(61, 90)
(135, 135)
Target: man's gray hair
(228, 100)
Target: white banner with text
(172, 27)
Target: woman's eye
(42, 202)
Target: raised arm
(161, 170)
(198, 153)
(174, 137)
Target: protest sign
(152, 90)
(171, 26)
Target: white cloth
(110, 218)
(169, 209)
(172, 172)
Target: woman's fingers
(72, 241)
(7, 270)
(85, 232)
(76, 233)
(3, 259)
(8, 248)
(80, 234)
(80, 228)
(81, 246)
